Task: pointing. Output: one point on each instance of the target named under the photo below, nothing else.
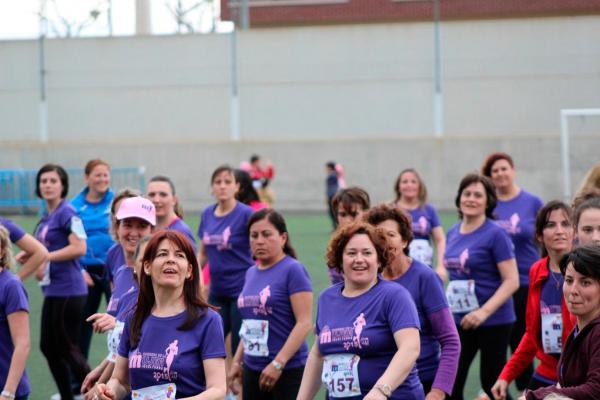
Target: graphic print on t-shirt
(219, 240)
(259, 303)
(157, 362)
(512, 225)
(458, 263)
(350, 336)
(421, 226)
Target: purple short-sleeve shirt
(14, 230)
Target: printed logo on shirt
(160, 363)
(458, 263)
(41, 235)
(350, 336)
(219, 240)
(258, 303)
(420, 226)
(512, 225)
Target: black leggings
(520, 302)
(61, 320)
(492, 342)
(287, 385)
(230, 314)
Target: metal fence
(17, 186)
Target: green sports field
(309, 234)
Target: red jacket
(531, 343)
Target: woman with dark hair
(411, 196)
(65, 291)
(579, 363)
(247, 194)
(172, 344)
(548, 319)
(440, 345)
(515, 212)
(367, 328)
(276, 307)
(587, 221)
(225, 245)
(483, 277)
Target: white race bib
(461, 296)
(255, 336)
(340, 375)
(46, 278)
(159, 392)
(113, 340)
(552, 333)
(421, 250)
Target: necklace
(557, 281)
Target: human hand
(234, 376)
(104, 393)
(101, 322)
(268, 378)
(435, 394)
(88, 279)
(22, 257)
(474, 319)
(90, 379)
(499, 389)
(375, 394)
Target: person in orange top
(548, 321)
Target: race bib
(552, 333)
(113, 340)
(421, 250)
(461, 296)
(46, 278)
(340, 375)
(159, 392)
(255, 335)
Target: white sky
(19, 18)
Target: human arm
(18, 324)
(101, 322)
(311, 378)
(510, 283)
(202, 258)
(75, 249)
(302, 309)
(117, 386)
(409, 345)
(216, 385)
(439, 240)
(34, 255)
(235, 370)
(93, 376)
(444, 330)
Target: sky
(19, 19)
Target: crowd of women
(408, 310)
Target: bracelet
(7, 394)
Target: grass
(309, 235)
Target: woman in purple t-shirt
(33, 254)
(276, 307)
(440, 345)
(14, 327)
(483, 276)
(367, 328)
(65, 291)
(172, 344)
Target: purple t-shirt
(517, 217)
(14, 230)
(53, 231)
(180, 226)
(266, 297)
(13, 298)
(115, 258)
(427, 291)
(475, 256)
(424, 219)
(124, 283)
(364, 326)
(166, 354)
(227, 247)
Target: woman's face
(392, 231)
(170, 266)
(582, 293)
(588, 228)
(473, 200)
(161, 195)
(557, 235)
(266, 242)
(408, 186)
(130, 231)
(224, 186)
(345, 216)
(51, 186)
(502, 174)
(359, 261)
(99, 179)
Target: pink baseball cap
(137, 207)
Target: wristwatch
(385, 389)
(278, 366)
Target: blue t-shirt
(427, 291)
(424, 219)
(13, 298)
(266, 297)
(53, 231)
(227, 247)
(15, 231)
(96, 221)
(180, 226)
(517, 217)
(124, 283)
(365, 325)
(115, 258)
(166, 354)
(475, 256)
